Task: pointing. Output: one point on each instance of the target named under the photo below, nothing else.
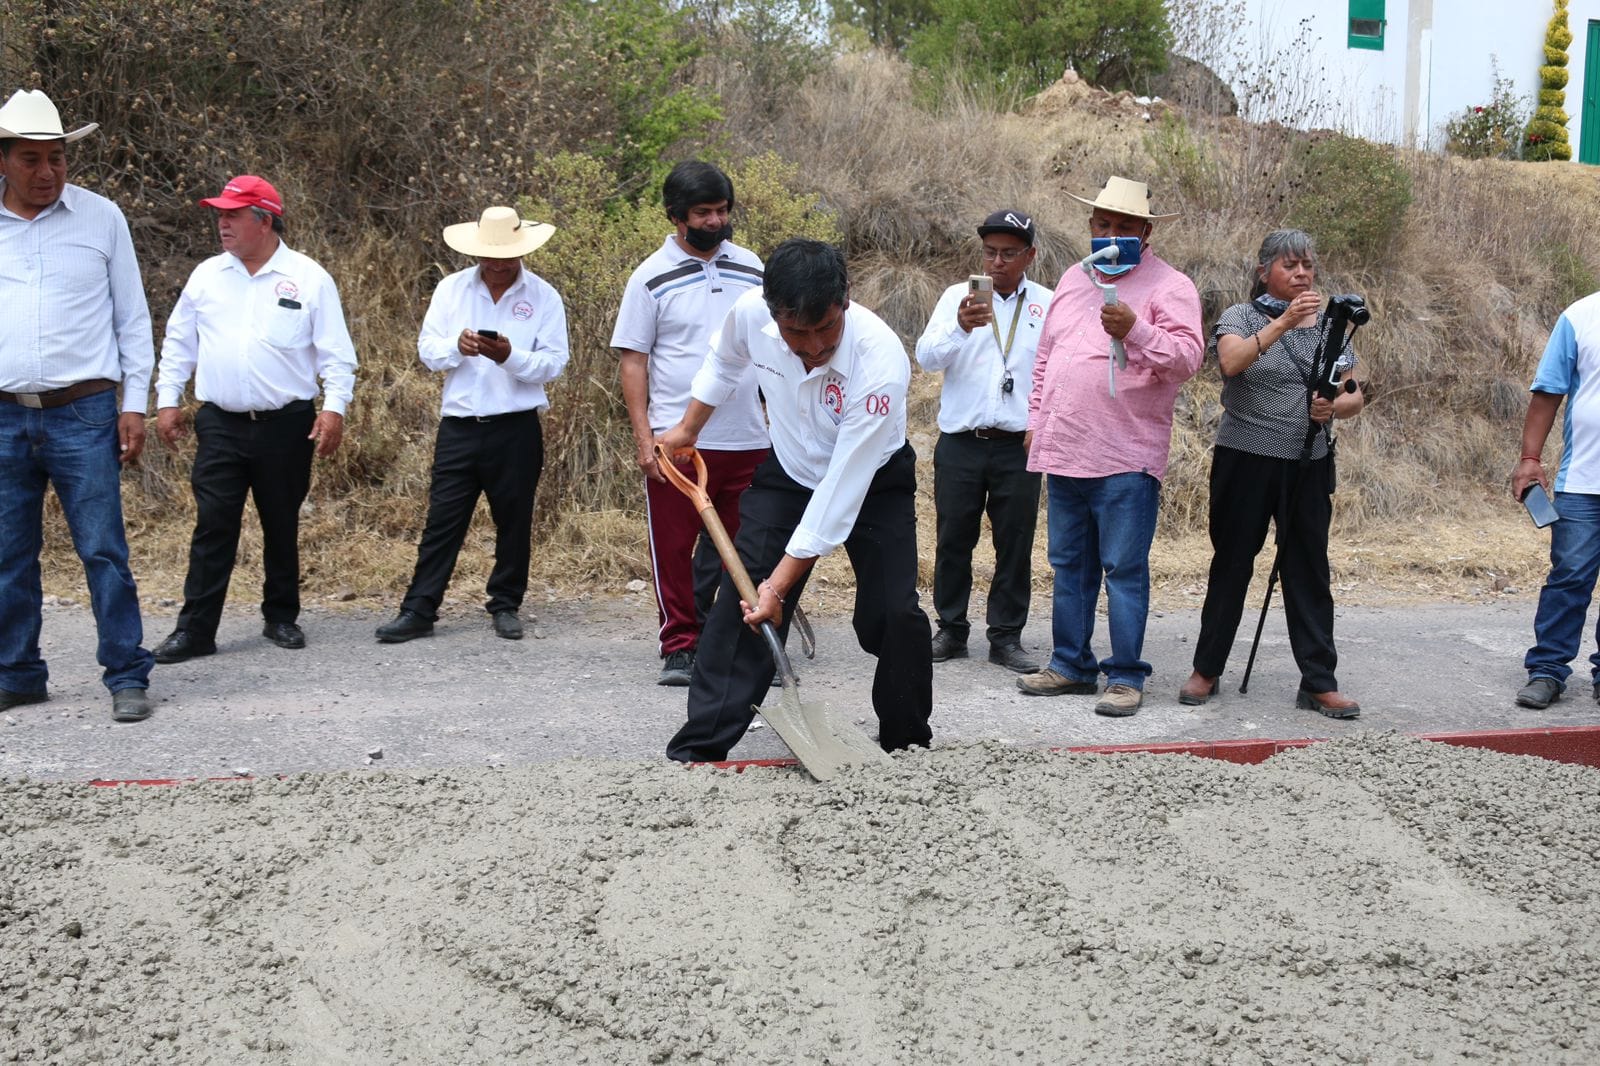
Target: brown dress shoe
(1197, 690)
(1329, 703)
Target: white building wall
(1438, 59)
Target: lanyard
(1016, 313)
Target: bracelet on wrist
(1257, 338)
(1535, 458)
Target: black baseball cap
(1013, 222)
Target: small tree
(1547, 132)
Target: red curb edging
(1578, 744)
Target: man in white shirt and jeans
(498, 332)
(841, 472)
(986, 345)
(673, 303)
(76, 324)
(256, 326)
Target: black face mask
(1270, 306)
(704, 240)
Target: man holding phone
(498, 332)
(984, 335)
(1569, 370)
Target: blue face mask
(1114, 271)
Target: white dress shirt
(529, 314)
(973, 396)
(832, 427)
(72, 299)
(266, 338)
(672, 304)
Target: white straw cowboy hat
(1125, 198)
(30, 115)
(498, 234)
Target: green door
(1589, 135)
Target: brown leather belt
(58, 397)
(990, 433)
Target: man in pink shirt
(1101, 432)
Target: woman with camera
(1267, 349)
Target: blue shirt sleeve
(1558, 367)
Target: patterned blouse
(1264, 408)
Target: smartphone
(981, 287)
(489, 333)
(1540, 509)
(1127, 248)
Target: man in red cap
(256, 326)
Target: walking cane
(1342, 310)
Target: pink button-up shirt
(1079, 428)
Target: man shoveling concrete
(841, 472)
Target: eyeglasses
(1003, 255)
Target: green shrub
(1547, 130)
(1492, 130)
(1351, 195)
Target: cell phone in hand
(488, 333)
(981, 287)
(1540, 509)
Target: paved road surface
(465, 698)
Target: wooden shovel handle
(708, 515)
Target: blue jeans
(1564, 600)
(1101, 526)
(74, 448)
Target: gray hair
(1279, 243)
(261, 214)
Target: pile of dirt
(1374, 899)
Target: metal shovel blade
(822, 742)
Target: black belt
(40, 401)
(991, 433)
(293, 408)
(492, 418)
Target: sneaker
(1049, 683)
(678, 669)
(1541, 692)
(946, 646)
(1120, 701)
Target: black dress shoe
(284, 634)
(1011, 656)
(946, 646)
(9, 699)
(407, 625)
(507, 625)
(182, 645)
(130, 705)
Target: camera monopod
(1344, 315)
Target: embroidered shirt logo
(287, 289)
(833, 398)
(522, 310)
(1035, 311)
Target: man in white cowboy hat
(985, 343)
(256, 326)
(498, 332)
(674, 301)
(1105, 450)
(77, 326)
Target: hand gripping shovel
(822, 743)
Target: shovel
(823, 744)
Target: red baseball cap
(247, 190)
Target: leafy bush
(1547, 131)
(1026, 45)
(1492, 130)
(1351, 195)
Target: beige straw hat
(498, 234)
(1125, 198)
(30, 115)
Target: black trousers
(970, 477)
(1246, 491)
(500, 457)
(733, 669)
(269, 459)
